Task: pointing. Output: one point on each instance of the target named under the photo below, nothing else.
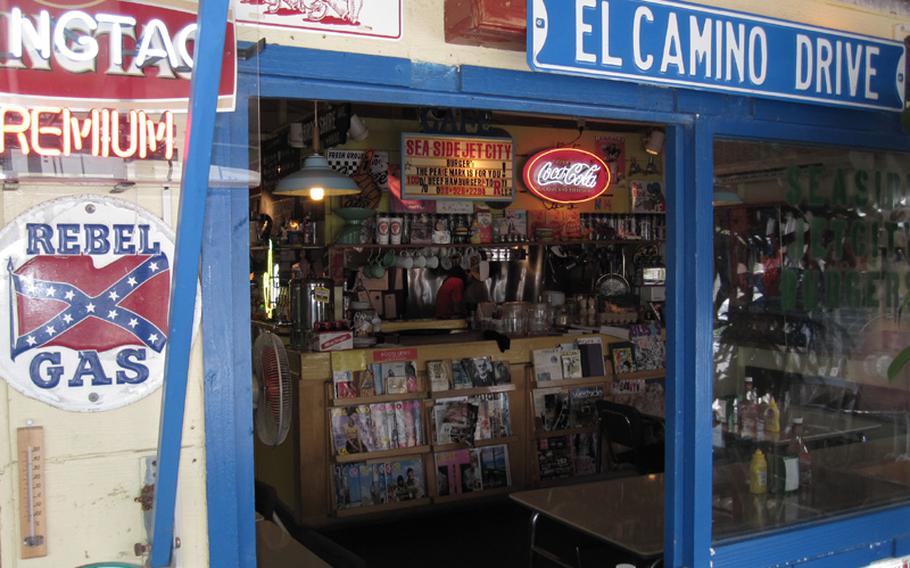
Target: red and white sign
(443, 166)
(566, 175)
(391, 355)
(85, 302)
(87, 54)
(380, 19)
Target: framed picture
(623, 358)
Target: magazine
(547, 365)
(592, 356)
(366, 383)
(583, 406)
(494, 467)
(440, 374)
(448, 471)
(480, 371)
(366, 484)
(375, 371)
(584, 453)
(460, 377)
(395, 377)
(551, 409)
(470, 473)
(571, 364)
(343, 382)
(455, 420)
(374, 427)
(554, 457)
(623, 358)
(346, 432)
(493, 417)
(649, 347)
(502, 373)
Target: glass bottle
(797, 448)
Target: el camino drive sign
(678, 44)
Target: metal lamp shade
(316, 172)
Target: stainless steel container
(311, 303)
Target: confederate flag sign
(87, 287)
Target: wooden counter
(314, 454)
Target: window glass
(811, 278)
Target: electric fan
(272, 395)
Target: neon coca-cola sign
(566, 175)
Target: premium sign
(78, 54)
(55, 131)
(675, 43)
(86, 289)
(566, 175)
(439, 166)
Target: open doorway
(477, 322)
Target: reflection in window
(811, 279)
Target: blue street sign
(684, 45)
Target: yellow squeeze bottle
(758, 474)
(772, 417)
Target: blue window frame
(692, 119)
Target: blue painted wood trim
(866, 538)
(678, 146)
(210, 36)
(226, 351)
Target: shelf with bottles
(505, 244)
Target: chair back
(619, 424)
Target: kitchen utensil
(388, 259)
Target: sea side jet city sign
(566, 175)
(87, 289)
(84, 54)
(673, 43)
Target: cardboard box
(333, 341)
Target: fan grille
(273, 415)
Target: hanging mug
(404, 260)
(420, 261)
(433, 262)
(388, 259)
(445, 261)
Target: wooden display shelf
(565, 432)
(587, 381)
(454, 393)
(382, 454)
(477, 444)
(338, 402)
(498, 492)
(355, 511)
(641, 375)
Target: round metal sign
(566, 175)
(86, 295)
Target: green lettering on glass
(839, 191)
(817, 237)
(861, 198)
(871, 290)
(892, 289)
(879, 198)
(889, 229)
(795, 248)
(853, 290)
(832, 288)
(811, 290)
(858, 238)
(838, 229)
(794, 189)
(875, 231)
(815, 174)
(894, 190)
(788, 282)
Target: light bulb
(317, 193)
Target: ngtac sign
(93, 66)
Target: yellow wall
(94, 461)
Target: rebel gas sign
(86, 294)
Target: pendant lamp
(316, 179)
